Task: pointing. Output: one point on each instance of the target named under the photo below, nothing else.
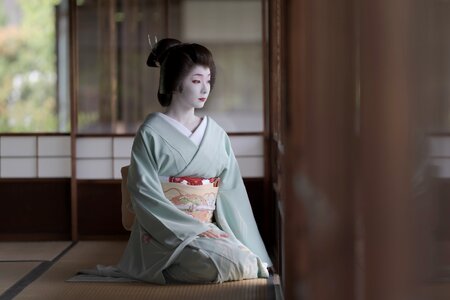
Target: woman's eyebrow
(201, 75)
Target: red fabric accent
(194, 180)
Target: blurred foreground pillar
(319, 205)
(359, 195)
(387, 147)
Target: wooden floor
(39, 270)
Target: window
(232, 30)
(33, 82)
(117, 90)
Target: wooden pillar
(107, 54)
(386, 147)
(73, 49)
(319, 206)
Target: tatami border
(34, 274)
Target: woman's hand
(212, 234)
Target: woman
(175, 240)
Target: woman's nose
(204, 88)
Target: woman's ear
(180, 88)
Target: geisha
(193, 219)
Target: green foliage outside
(27, 68)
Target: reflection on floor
(38, 270)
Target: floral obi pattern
(193, 195)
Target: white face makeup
(196, 87)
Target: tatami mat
(26, 251)
(242, 290)
(52, 285)
(11, 272)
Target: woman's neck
(185, 116)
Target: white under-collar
(195, 136)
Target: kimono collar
(173, 136)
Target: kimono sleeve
(236, 214)
(154, 212)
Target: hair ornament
(150, 40)
(152, 60)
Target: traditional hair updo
(176, 60)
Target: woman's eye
(195, 81)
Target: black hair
(176, 60)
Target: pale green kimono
(164, 244)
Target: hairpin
(150, 40)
